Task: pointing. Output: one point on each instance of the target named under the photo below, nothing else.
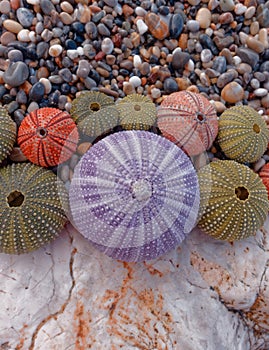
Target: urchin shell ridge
(7, 134)
(234, 202)
(243, 135)
(31, 211)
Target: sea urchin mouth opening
(15, 199)
(256, 128)
(94, 106)
(200, 117)
(137, 108)
(241, 193)
(42, 132)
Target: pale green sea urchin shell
(94, 113)
(30, 209)
(137, 112)
(233, 203)
(243, 135)
(7, 134)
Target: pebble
(107, 46)
(193, 25)
(179, 59)
(206, 55)
(47, 6)
(170, 85)
(176, 25)
(239, 9)
(135, 81)
(227, 5)
(17, 156)
(260, 92)
(56, 50)
(263, 37)
(254, 44)
(5, 7)
(250, 12)
(25, 17)
(141, 26)
(12, 26)
(47, 85)
(232, 92)
(203, 16)
(111, 3)
(158, 28)
(248, 56)
(83, 69)
(7, 37)
(254, 83)
(140, 11)
(16, 74)
(128, 88)
(23, 35)
(67, 7)
(37, 92)
(259, 164)
(137, 61)
(15, 55)
(219, 64)
(155, 93)
(262, 15)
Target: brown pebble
(183, 41)
(12, 26)
(226, 18)
(203, 16)
(193, 88)
(103, 72)
(183, 83)
(16, 155)
(127, 10)
(109, 92)
(86, 15)
(158, 28)
(220, 107)
(232, 92)
(254, 44)
(254, 28)
(128, 88)
(83, 148)
(110, 59)
(135, 39)
(66, 18)
(15, 4)
(7, 37)
(42, 72)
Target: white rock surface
(207, 294)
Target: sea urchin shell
(234, 202)
(95, 113)
(137, 112)
(243, 134)
(48, 136)
(264, 175)
(30, 208)
(7, 134)
(189, 120)
(134, 195)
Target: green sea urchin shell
(243, 134)
(233, 203)
(7, 134)
(30, 208)
(95, 113)
(137, 112)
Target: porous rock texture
(206, 294)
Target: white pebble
(206, 55)
(135, 81)
(47, 84)
(240, 9)
(55, 50)
(33, 2)
(259, 164)
(107, 46)
(250, 12)
(260, 92)
(189, 66)
(141, 26)
(72, 54)
(155, 93)
(255, 84)
(137, 61)
(140, 11)
(118, 9)
(23, 35)
(80, 51)
(32, 36)
(236, 60)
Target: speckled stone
(25, 17)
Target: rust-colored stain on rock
(82, 320)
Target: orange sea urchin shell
(264, 175)
(48, 136)
(189, 120)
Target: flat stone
(158, 28)
(248, 56)
(176, 25)
(12, 26)
(16, 74)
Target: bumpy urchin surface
(95, 113)
(234, 202)
(30, 209)
(134, 195)
(48, 136)
(189, 120)
(137, 112)
(7, 134)
(243, 135)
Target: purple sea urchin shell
(134, 195)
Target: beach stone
(248, 56)
(262, 15)
(170, 85)
(16, 155)
(25, 17)
(24, 35)
(226, 18)
(179, 59)
(135, 81)
(176, 24)
(260, 92)
(206, 55)
(227, 5)
(203, 16)
(16, 74)
(219, 64)
(55, 50)
(128, 88)
(12, 26)
(155, 93)
(15, 55)
(47, 85)
(222, 43)
(239, 9)
(37, 92)
(7, 37)
(107, 46)
(5, 7)
(83, 69)
(254, 44)
(83, 147)
(47, 6)
(158, 28)
(250, 12)
(111, 3)
(141, 26)
(232, 92)
(193, 25)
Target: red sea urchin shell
(264, 175)
(48, 136)
(189, 120)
